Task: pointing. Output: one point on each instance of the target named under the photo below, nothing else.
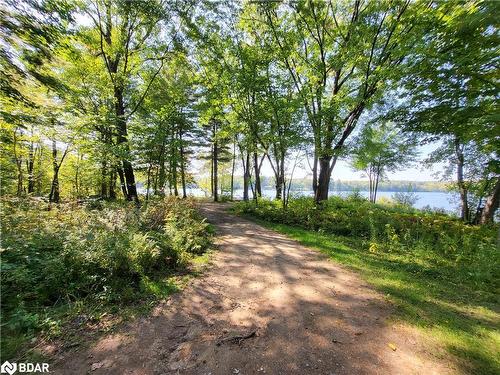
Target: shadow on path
(303, 313)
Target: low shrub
(101, 254)
(470, 250)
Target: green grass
(461, 318)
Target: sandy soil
(266, 306)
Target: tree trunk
(375, 189)
(121, 122)
(38, 179)
(280, 177)
(258, 188)
(174, 178)
(104, 187)
(315, 174)
(54, 190)
(19, 165)
(491, 204)
(155, 181)
(169, 178)
(279, 187)
(31, 164)
(173, 163)
(460, 181)
(20, 188)
(159, 183)
(112, 183)
(148, 181)
(212, 173)
(183, 181)
(370, 182)
(215, 155)
(246, 177)
(122, 182)
(183, 167)
(284, 191)
(130, 181)
(232, 169)
(323, 179)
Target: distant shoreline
(305, 184)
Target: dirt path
(267, 305)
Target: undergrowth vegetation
(435, 239)
(106, 254)
(442, 274)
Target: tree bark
(323, 179)
(20, 188)
(112, 183)
(127, 177)
(104, 187)
(215, 156)
(375, 189)
(121, 122)
(280, 177)
(173, 163)
(246, 177)
(183, 166)
(54, 195)
(284, 192)
(174, 179)
(160, 183)
(232, 169)
(315, 174)
(464, 215)
(258, 188)
(122, 182)
(155, 181)
(370, 182)
(38, 179)
(491, 204)
(148, 181)
(212, 172)
(54, 190)
(30, 167)
(130, 181)
(19, 165)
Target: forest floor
(265, 305)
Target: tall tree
(129, 39)
(450, 89)
(339, 56)
(378, 149)
(166, 129)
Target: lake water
(434, 199)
